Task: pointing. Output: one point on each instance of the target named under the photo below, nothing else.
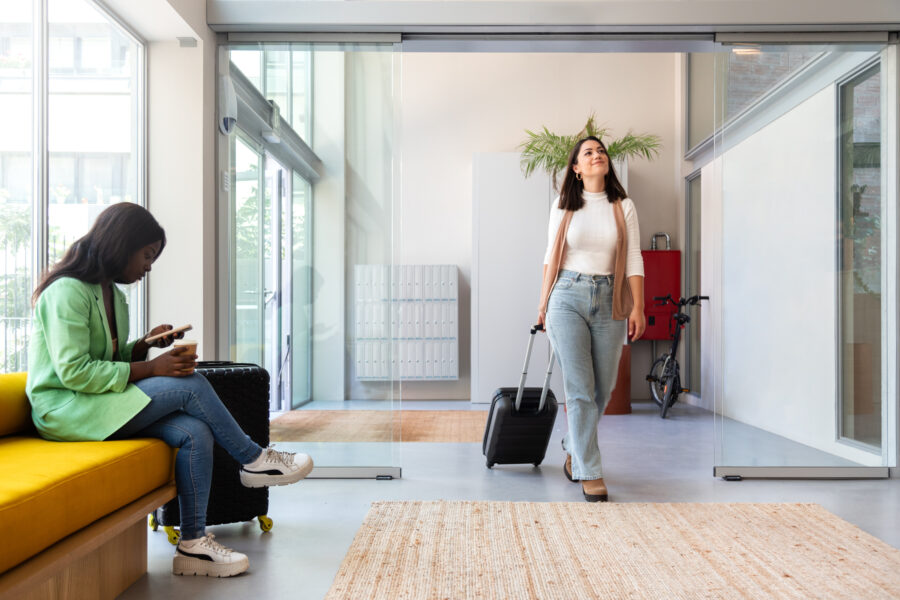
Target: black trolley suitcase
(244, 390)
(521, 419)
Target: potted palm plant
(549, 152)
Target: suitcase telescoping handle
(546, 387)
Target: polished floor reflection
(646, 459)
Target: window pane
(278, 80)
(734, 84)
(300, 60)
(751, 75)
(92, 132)
(248, 62)
(861, 258)
(701, 83)
(16, 193)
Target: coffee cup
(190, 345)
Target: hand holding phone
(152, 338)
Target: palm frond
(546, 151)
(549, 152)
(630, 145)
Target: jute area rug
(379, 426)
(519, 550)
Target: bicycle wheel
(657, 374)
(673, 388)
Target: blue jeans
(588, 344)
(186, 413)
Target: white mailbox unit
(406, 322)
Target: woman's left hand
(164, 341)
(637, 323)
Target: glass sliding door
(313, 207)
(246, 264)
(860, 258)
(801, 322)
(301, 291)
(277, 292)
(693, 284)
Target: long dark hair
(104, 252)
(572, 187)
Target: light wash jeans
(186, 413)
(588, 344)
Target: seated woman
(84, 384)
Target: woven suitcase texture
(244, 390)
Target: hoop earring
(578, 176)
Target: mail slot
(662, 276)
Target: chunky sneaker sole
(271, 475)
(188, 565)
(208, 557)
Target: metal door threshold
(802, 472)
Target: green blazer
(77, 388)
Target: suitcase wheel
(490, 465)
(265, 523)
(173, 534)
(152, 522)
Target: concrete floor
(646, 459)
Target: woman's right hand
(178, 362)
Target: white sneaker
(276, 468)
(206, 556)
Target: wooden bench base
(98, 562)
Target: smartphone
(153, 338)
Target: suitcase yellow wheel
(265, 523)
(173, 534)
(152, 522)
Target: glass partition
(800, 321)
(316, 143)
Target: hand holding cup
(178, 362)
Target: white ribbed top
(591, 239)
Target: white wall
(181, 177)
(777, 282)
(457, 105)
(505, 291)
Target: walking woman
(85, 382)
(592, 293)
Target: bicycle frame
(671, 377)
(676, 339)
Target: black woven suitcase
(244, 390)
(520, 420)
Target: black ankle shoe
(594, 490)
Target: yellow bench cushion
(52, 489)
(15, 411)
